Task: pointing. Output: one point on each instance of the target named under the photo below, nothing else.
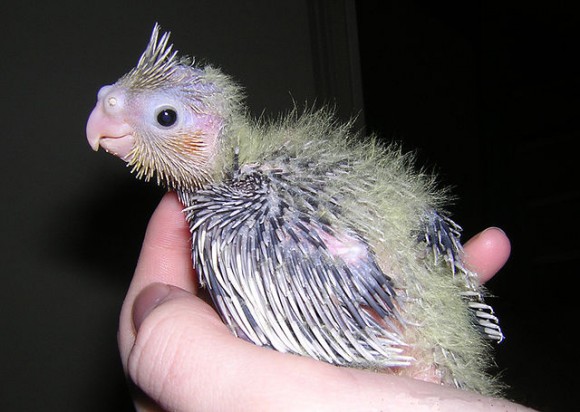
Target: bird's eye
(167, 117)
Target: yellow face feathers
(169, 117)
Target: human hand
(177, 351)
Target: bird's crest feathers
(157, 63)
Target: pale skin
(181, 357)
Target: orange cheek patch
(189, 144)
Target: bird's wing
(442, 237)
(282, 277)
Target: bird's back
(318, 243)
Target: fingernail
(489, 229)
(147, 300)
(499, 229)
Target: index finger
(487, 252)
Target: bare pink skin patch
(347, 248)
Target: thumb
(171, 324)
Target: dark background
(485, 92)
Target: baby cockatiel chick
(309, 239)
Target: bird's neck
(234, 144)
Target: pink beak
(107, 127)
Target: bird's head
(166, 117)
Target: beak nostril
(111, 98)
